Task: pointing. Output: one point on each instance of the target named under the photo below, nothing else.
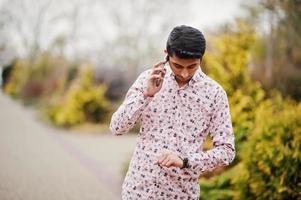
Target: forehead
(184, 61)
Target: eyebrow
(183, 66)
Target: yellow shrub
(228, 64)
(18, 77)
(83, 102)
(273, 155)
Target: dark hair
(186, 42)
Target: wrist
(185, 163)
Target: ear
(165, 51)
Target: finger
(165, 161)
(162, 73)
(159, 64)
(167, 157)
(164, 152)
(169, 163)
(158, 71)
(162, 158)
(158, 161)
(156, 76)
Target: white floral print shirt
(177, 119)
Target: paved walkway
(40, 163)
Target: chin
(184, 80)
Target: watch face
(185, 162)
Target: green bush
(82, 102)
(219, 187)
(272, 160)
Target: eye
(178, 66)
(192, 67)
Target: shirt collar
(198, 76)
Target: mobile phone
(158, 81)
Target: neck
(181, 83)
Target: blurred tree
(32, 27)
(108, 33)
(25, 23)
(277, 59)
(140, 28)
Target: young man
(178, 106)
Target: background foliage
(259, 69)
(82, 102)
(266, 127)
(66, 94)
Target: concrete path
(41, 163)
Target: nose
(184, 73)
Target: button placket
(178, 118)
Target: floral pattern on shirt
(178, 119)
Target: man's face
(184, 69)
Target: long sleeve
(130, 110)
(221, 131)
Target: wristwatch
(185, 163)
